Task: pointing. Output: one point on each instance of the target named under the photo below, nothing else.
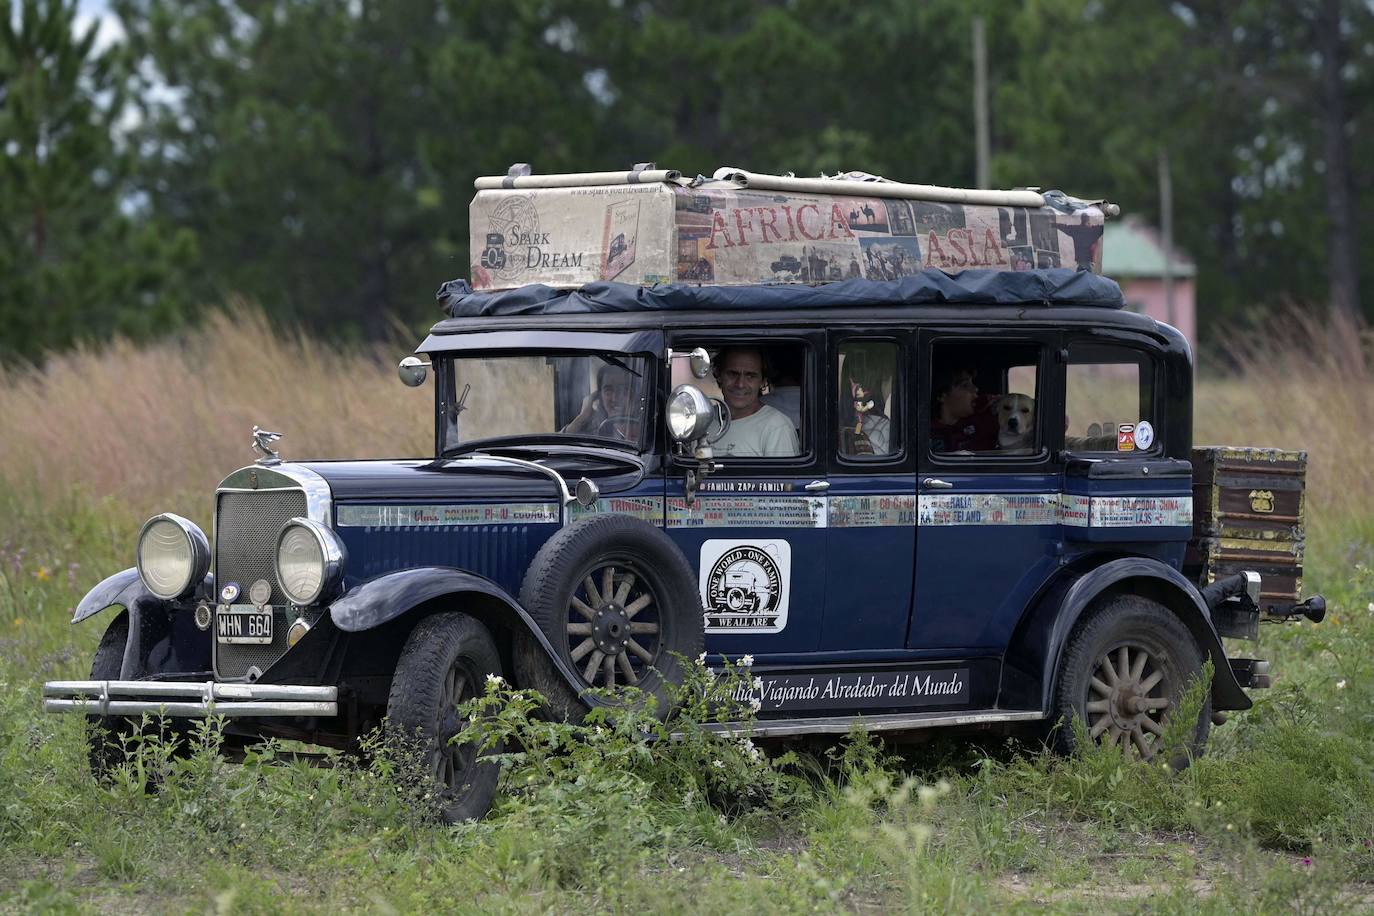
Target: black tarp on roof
(1055, 286)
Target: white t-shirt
(766, 433)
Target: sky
(98, 9)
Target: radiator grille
(246, 529)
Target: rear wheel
(1123, 674)
(445, 662)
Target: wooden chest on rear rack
(1248, 514)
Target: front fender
(152, 646)
(1032, 660)
(123, 588)
(387, 597)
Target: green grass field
(1278, 816)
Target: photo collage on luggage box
(746, 236)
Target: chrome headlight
(689, 413)
(173, 555)
(310, 561)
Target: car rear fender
(1032, 659)
(388, 597)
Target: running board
(897, 721)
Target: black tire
(636, 636)
(106, 735)
(445, 661)
(1127, 664)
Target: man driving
(756, 430)
(608, 411)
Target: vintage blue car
(942, 501)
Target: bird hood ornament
(262, 444)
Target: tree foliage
(318, 156)
(75, 261)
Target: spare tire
(618, 602)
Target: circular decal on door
(1144, 434)
(744, 586)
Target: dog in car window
(1015, 422)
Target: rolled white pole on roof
(575, 179)
(519, 178)
(898, 189)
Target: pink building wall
(1146, 295)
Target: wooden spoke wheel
(1123, 673)
(620, 608)
(613, 628)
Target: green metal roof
(1130, 248)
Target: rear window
(1109, 400)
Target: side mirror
(413, 371)
(700, 361)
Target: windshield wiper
(619, 364)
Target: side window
(1109, 400)
(765, 389)
(983, 399)
(868, 402)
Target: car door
(988, 534)
(871, 517)
(754, 529)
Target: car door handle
(935, 483)
(818, 486)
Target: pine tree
(75, 262)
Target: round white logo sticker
(1144, 434)
(744, 585)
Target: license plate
(250, 627)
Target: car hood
(464, 479)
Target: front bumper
(189, 699)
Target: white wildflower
(755, 704)
(494, 680)
(701, 659)
(758, 683)
(718, 764)
(1340, 685)
(710, 674)
(1371, 607)
(746, 661)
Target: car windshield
(593, 397)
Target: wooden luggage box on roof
(653, 226)
(1248, 514)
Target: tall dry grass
(165, 422)
(154, 423)
(1305, 383)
